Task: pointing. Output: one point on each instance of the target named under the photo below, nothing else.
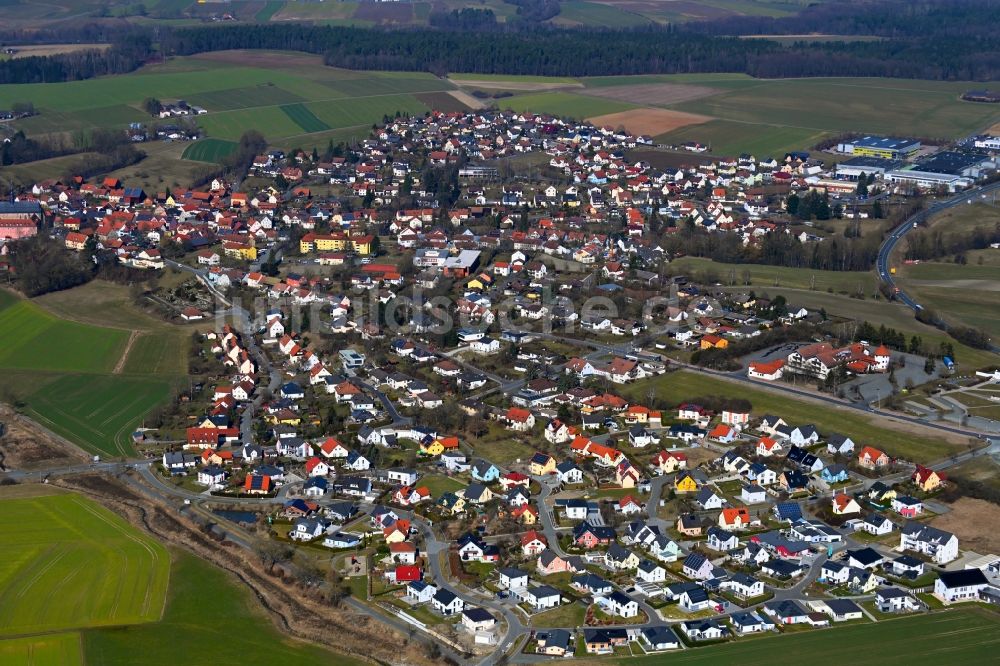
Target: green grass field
(304, 118)
(242, 98)
(966, 635)
(98, 412)
(47, 650)
(363, 110)
(160, 353)
(205, 610)
(35, 339)
(762, 276)
(208, 150)
(270, 8)
(565, 104)
(68, 564)
(730, 137)
(921, 108)
(579, 12)
(684, 385)
(59, 364)
(230, 125)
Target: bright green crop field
(37, 340)
(967, 635)
(98, 412)
(205, 610)
(68, 563)
(45, 650)
(209, 150)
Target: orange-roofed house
(723, 433)
(519, 419)
(637, 414)
(76, 241)
(257, 484)
(872, 458)
(736, 518)
(767, 446)
(927, 479)
(844, 505)
(527, 514)
(766, 371)
(713, 342)
(316, 467)
(331, 448)
(403, 552)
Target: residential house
(962, 585)
(939, 545)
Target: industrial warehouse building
(888, 148)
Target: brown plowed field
(649, 121)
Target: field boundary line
(132, 336)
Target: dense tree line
(836, 253)
(466, 40)
(535, 11)
(886, 18)
(128, 51)
(543, 50)
(42, 265)
(925, 244)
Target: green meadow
(69, 563)
(68, 374)
(209, 619)
(35, 339)
(968, 635)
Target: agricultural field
(920, 108)
(304, 118)
(208, 150)
(896, 438)
(207, 608)
(159, 353)
(32, 172)
(969, 635)
(646, 121)
(47, 650)
(763, 276)
(291, 97)
(73, 375)
(37, 340)
(68, 563)
(241, 98)
(564, 104)
(342, 113)
(97, 412)
(581, 13)
(726, 137)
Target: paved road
(911, 223)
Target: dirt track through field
(469, 100)
(124, 357)
(649, 121)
